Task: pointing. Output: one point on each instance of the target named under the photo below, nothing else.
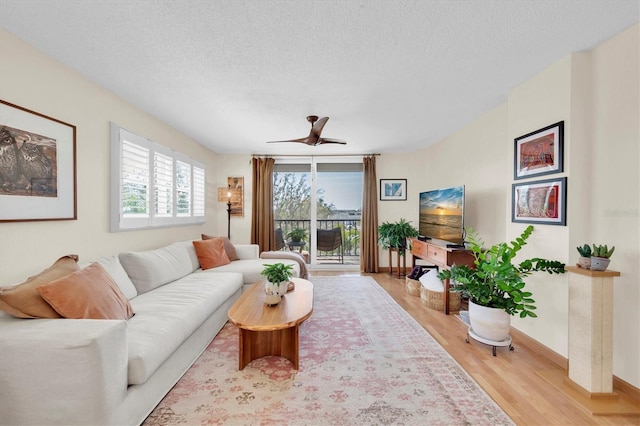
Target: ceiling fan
(314, 135)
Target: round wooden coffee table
(271, 330)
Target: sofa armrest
(247, 251)
(61, 371)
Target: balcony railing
(350, 232)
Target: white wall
(35, 81)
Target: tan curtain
(369, 233)
(262, 220)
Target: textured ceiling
(391, 75)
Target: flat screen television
(442, 214)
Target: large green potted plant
(394, 235)
(497, 283)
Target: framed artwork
(236, 184)
(37, 166)
(542, 202)
(393, 189)
(540, 152)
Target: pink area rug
(363, 361)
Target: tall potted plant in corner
(496, 286)
(394, 235)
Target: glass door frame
(313, 162)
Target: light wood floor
(510, 378)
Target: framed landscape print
(393, 189)
(542, 202)
(540, 152)
(37, 166)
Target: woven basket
(435, 300)
(413, 287)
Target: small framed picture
(393, 189)
(542, 202)
(539, 153)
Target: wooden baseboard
(619, 385)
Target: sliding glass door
(322, 196)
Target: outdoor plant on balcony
(297, 235)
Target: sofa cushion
(168, 315)
(251, 268)
(89, 293)
(211, 253)
(153, 268)
(229, 248)
(23, 300)
(114, 268)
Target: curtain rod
(312, 155)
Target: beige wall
(596, 94)
(232, 166)
(37, 82)
(615, 186)
(408, 166)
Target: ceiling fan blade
(307, 140)
(331, 140)
(316, 129)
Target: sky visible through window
(343, 189)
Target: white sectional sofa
(100, 372)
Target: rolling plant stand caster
(494, 344)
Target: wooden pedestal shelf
(590, 377)
(399, 256)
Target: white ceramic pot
(584, 262)
(489, 323)
(282, 288)
(272, 297)
(599, 263)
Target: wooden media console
(436, 252)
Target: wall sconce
(224, 194)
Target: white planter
(282, 288)
(272, 297)
(489, 323)
(599, 263)
(584, 262)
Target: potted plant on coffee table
(496, 286)
(278, 276)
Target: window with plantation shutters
(152, 185)
(198, 190)
(163, 185)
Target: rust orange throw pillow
(23, 301)
(211, 253)
(89, 293)
(228, 246)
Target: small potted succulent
(584, 261)
(278, 276)
(600, 257)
